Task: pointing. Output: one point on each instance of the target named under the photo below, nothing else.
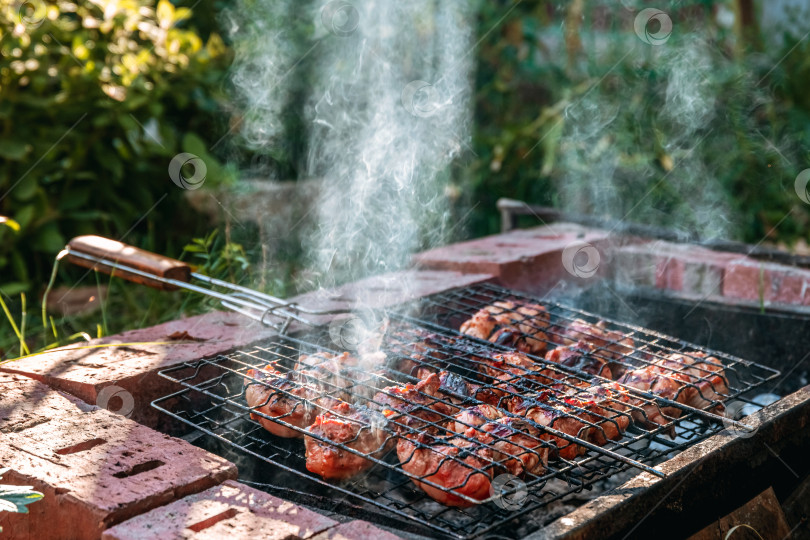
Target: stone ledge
(84, 370)
(234, 510)
(94, 467)
(526, 259)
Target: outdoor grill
(422, 337)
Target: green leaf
(12, 500)
(74, 198)
(195, 145)
(182, 14)
(14, 288)
(14, 150)
(26, 188)
(88, 215)
(25, 214)
(49, 239)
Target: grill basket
(210, 398)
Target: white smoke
(266, 52)
(611, 173)
(379, 141)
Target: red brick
(669, 274)
(230, 510)
(356, 530)
(27, 403)
(767, 282)
(677, 267)
(94, 467)
(703, 269)
(635, 266)
(134, 357)
(389, 289)
(526, 259)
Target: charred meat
(345, 427)
(513, 324)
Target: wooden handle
(118, 252)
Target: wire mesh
(443, 416)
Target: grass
(126, 305)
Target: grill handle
(107, 251)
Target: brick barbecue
(121, 477)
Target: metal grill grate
(423, 339)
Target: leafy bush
(95, 100)
(16, 498)
(548, 73)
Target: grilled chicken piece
(475, 417)
(514, 324)
(457, 389)
(611, 345)
(601, 428)
(415, 406)
(614, 410)
(459, 466)
(360, 429)
(554, 415)
(581, 356)
(417, 350)
(514, 372)
(693, 379)
(292, 397)
(508, 375)
(509, 369)
(654, 380)
(706, 385)
(516, 445)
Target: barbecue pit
(637, 483)
(214, 405)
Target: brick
(703, 269)
(230, 510)
(27, 403)
(676, 267)
(635, 266)
(356, 530)
(525, 259)
(388, 290)
(132, 360)
(770, 283)
(95, 468)
(669, 274)
(762, 514)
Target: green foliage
(95, 100)
(217, 258)
(537, 70)
(16, 498)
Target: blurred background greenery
(96, 97)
